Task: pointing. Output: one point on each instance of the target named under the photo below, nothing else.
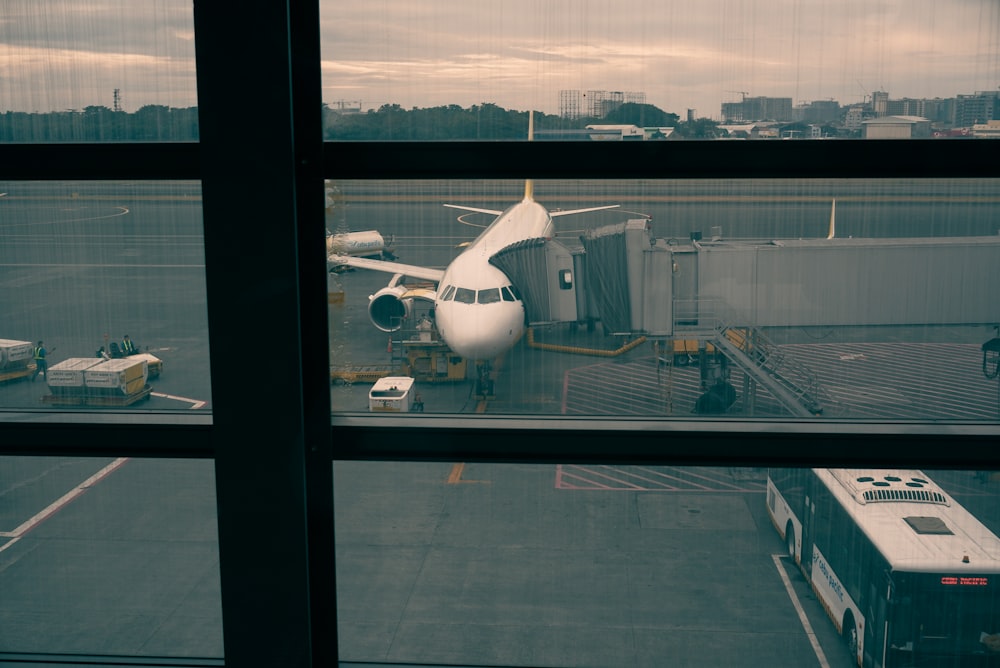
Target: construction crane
(740, 92)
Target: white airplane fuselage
(477, 312)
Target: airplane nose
(483, 338)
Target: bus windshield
(947, 620)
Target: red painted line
(695, 475)
(612, 478)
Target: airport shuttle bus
(908, 575)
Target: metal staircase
(789, 381)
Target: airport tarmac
(437, 563)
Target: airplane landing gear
(484, 382)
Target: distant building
(880, 103)
(987, 130)
(935, 110)
(854, 117)
(627, 133)
(757, 109)
(616, 132)
(569, 104)
(979, 108)
(595, 103)
(819, 111)
(751, 131)
(345, 106)
(896, 127)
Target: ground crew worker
(41, 363)
(128, 348)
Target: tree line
(389, 122)
(100, 124)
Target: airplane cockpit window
(489, 296)
(449, 292)
(507, 295)
(465, 296)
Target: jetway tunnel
(723, 294)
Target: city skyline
(518, 55)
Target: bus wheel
(850, 634)
(790, 540)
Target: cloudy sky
(63, 54)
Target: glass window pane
(109, 557)
(488, 296)
(576, 565)
(811, 299)
(88, 71)
(110, 278)
(452, 70)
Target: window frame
(278, 472)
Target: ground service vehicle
(909, 576)
(392, 394)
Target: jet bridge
(723, 292)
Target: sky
(70, 54)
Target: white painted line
(802, 613)
(60, 503)
(195, 403)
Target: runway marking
(122, 211)
(456, 473)
(649, 479)
(195, 403)
(455, 477)
(799, 610)
(60, 503)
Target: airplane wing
(570, 212)
(420, 293)
(474, 209)
(425, 273)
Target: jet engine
(387, 308)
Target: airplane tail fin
(529, 184)
(833, 220)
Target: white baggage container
(154, 365)
(391, 395)
(69, 372)
(117, 376)
(15, 353)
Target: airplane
(478, 312)
(368, 243)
